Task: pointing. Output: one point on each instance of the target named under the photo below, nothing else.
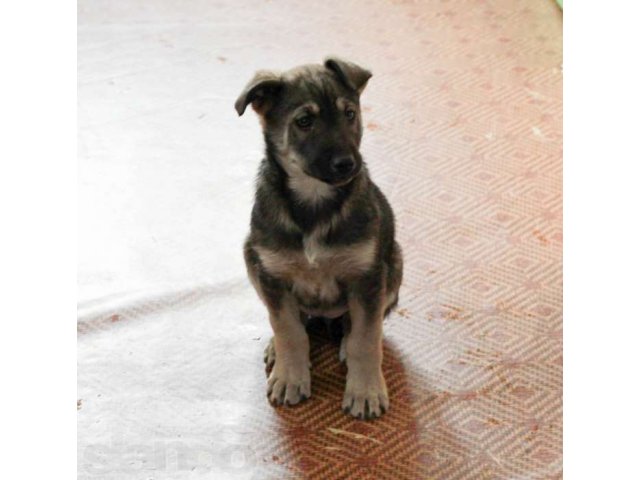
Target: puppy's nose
(343, 165)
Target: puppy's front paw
(288, 384)
(365, 395)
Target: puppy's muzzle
(343, 168)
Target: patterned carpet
(463, 133)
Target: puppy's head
(311, 117)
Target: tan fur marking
(285, 220)
(339, 262)
(314, 272)
(342, 103)
(309, 189)
(310, 106)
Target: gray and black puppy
(322, 233)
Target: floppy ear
(260, 92)
(352, 75)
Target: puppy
(322, 234)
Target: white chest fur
(314, 271)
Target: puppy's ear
(352, 75)
(260, 92)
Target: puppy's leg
(394, 278)
(365, 394)
(289, 381)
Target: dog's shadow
(411, 440)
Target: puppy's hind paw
(269, 354)
(342, 353)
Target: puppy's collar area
(310, 190)
(304, 188)
(304, 214)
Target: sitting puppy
(322, 233)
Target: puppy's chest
(316, 270)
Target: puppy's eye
(305, 122)
(350, 113)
